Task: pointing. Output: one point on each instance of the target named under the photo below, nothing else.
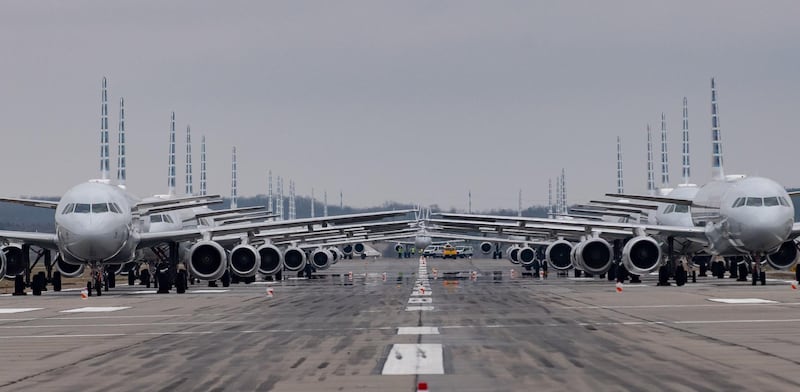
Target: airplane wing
(625, 204)
(657, 199)
(44, 240)
(31, 202)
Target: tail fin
(563, 191)
(651, 182)
(664, 154)
(313, 201)
(519, 203)
(685, 153)
(325, 203)
(189, 181)
(203, 190)
(270, 204)
(121, 174)
(234, 190)
(620, 185)
(716, 137)
(550, 198)
(104, 164)
(171, 168)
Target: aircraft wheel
(89, 288)
(98, 287)
(763, 278)
(56, 281)
(131, 278)
(680, 276)
(163, 283)
(144, 277)
(226, 279)
(180, 282)
(36, 285)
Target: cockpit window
(99, 208)
(81, 208)
(114, 208)
(754, 202)
(783, 201)
(68, 209)
(681, 208)
(167, 218)
(771, 202)
(739, 202)
(156, 219)
(669, 209)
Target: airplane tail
(121, 164)
(104, 164)
(686, 173)
(171, 161)
(716, 137)
(664, 154)
(234, 190)
(189, 181)
(203, 185)
(620, 184)
(651, 183)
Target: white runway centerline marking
(742, 300)
(144, 292)
(420, 300)
(416, 308)
(17, 310)
(96, 309)
(417, 331)
(207, 291)
(405, 359)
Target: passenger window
(771, 201)
(99, 208)
(82, 208)
(754, 202)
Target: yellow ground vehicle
(449, 251)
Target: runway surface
(494, 332)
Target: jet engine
(2, 265)
(526, 256)
(271, 259)
(486, 247)
(358, 248)
(336, 253)
(116, 269)
(294, 259)
(207, 260)
(399, 248)
(245, 260)
(785, 257)
(13, 260)
(558, 255)
(347, 249)
(321, 259)
(641, 255)
(593, 256)
(513, 254)
(68, 270)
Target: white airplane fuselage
(94, 224)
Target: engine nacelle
(68, 270)
(785, 257)
(486, 247)
(641, 255)
(116, 269)
(294, 259)
(207, 260)
(321, 259)
(244, 261)
(557, 255)
(271, 259)
(358, 248)
(399, 248)
(526, 256)
(347, 249)
(336, 253)
(2, 265)
(13, 260)
(593, 256)
(513, 254)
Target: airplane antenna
(313, 201)
(519, 203)
(651, 182)
(234, 190)
(716, 136)
(685, 153)
(325, 203)
(121, 144)
(189, 181)
(104, 164)
(171, 169)
(203, 189)
(664, 155)
(620, 184)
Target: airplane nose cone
(92, 243)
(766, 231)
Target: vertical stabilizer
(270, 204)
(717, 171)
(519, 203)
(234, 188)
(469, 204)
(171, 168)
(664, 154)
(550, 198)
(564, 191)
(121, 170)
(203, 185)
(341, 202)
(189, 180)
(620, 184)
(686, 172)
(325, 203)
(291, 200)
(279, 205)
(651, 181)
(558, 196)
(313, 201)
(104, 164)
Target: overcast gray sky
(416, 101)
